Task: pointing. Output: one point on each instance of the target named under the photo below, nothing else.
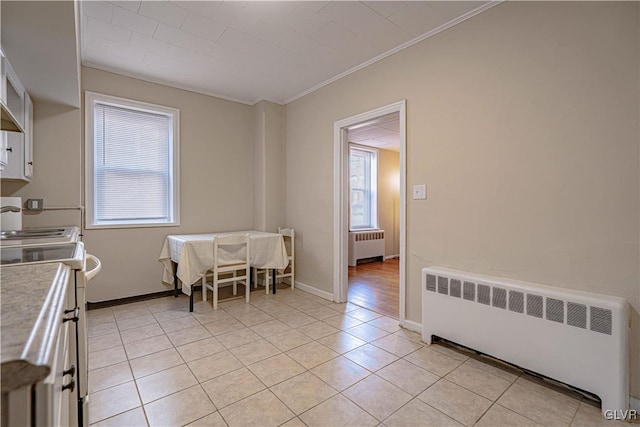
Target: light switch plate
(419, 192)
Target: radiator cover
(578, 338)
(365, 244)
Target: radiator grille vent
(431, 282)
(484, 294)
(577, 315)
(499, 298)
(469, 291)
(600, 320)
(555, 310)
(516, 301)
(368, 235)
(455, 288)
(534, 305)
(443, 285)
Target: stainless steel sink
(36, 233)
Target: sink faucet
(9, 209)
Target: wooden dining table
(188, 257)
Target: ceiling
(382, 132)
(248, 51)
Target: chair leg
(235, 285)
(247, 284)
(191, 301)
(266, 281)
(215, 294)
(204, 288)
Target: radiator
(578, 338)
(365, 244)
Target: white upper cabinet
(16, 143)
(11, 97)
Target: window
(363, 172)
(131, 163)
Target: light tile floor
(295, 359)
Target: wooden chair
(231, 256)
(289, 236)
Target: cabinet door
(14, 93)
(18, 149)
(15, 167)
(3, 150)
(14, 152)
(28, 137)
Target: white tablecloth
(194, 254)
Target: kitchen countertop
(33, 299)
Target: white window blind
(363, 188)
(133, 165)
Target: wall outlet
(35, 204)
(419, 192)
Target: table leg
(175, 279)
(193, 289)
(273, 277)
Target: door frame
(341, 200)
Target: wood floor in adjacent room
(375, 285)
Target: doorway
(372, 131)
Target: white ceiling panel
(253, 50)
(174, 36)
(125, 52)
(271, 10)
(163, 11)
(235, 16)
(133, 6)
(206, 9)
(304, 20)
(386, 8)
(203, 27)
(133, 22)
(99, 10)
(105, 30)
(333, 35)
(382, 132)
(415, 17)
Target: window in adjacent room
(131, 163)
(363, 171)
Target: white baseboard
(413, 326)
(314, 291)
(391, 256)
(634, 403)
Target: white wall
(523, 123)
